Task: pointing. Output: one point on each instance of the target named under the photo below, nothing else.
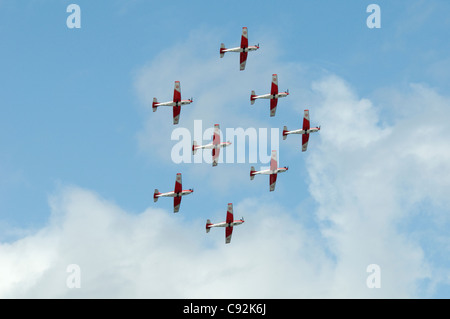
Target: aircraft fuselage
(172, 103)
(270, 171)
(239, 49)
(301, 131)
(225, 224)
(271, 96)
(175, 194)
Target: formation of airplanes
(216, 143)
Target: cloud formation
(155, 254)
(372, 181)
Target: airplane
(243, 49)
(305, 131)
(176, 103)
(273, 96)
(215, 145)
(273, 171)
(228, 224)
(176, 194)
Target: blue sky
(77, 132)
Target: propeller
(192, 99)
(191, 189)
(287, 91)
(242, 218)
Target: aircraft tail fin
(208, 225)
(252, 97)
(155, 198)
(154, 106)
(252, 173)
(222, 50)
(285, 130)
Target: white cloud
(158, 254)
(367, 178)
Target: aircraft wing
(229, 221)
(228, 232)
(216, 143)
(274, 88)
(215, 156)
(176, 114)
(177, 92)
(244, 38)
(273, 106)
(273, 181)
(243, 60)
(273, 161)
(216, 135)
(178, 189)
(305, 139)
(178, 184)
(176, 204)
(273, 167)
(244, 44)
(229, 213)
(306, 126)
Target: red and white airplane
(176, 194)
(304, 131)
(243, 49)
(215, 145)
(228, 224)
(176, 103)
(273, 96)
(273, 171)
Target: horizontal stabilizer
(154, 106)
(285, 130)
(194, 149)
(252, 97)
(222, 48)
(208, 224)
